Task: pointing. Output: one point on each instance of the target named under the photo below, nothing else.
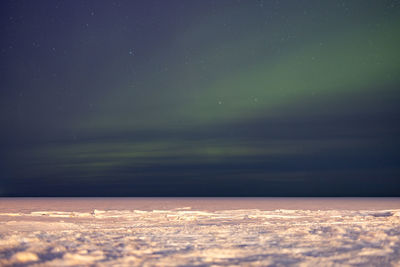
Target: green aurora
(231, 92)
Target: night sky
(200, 98)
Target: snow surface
(187, 237)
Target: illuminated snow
(199, 237)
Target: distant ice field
(210, 204)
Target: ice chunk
(25, 256)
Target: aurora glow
(181, 98)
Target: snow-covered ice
(185, 236)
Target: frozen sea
(199, 231)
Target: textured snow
(186, 237)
